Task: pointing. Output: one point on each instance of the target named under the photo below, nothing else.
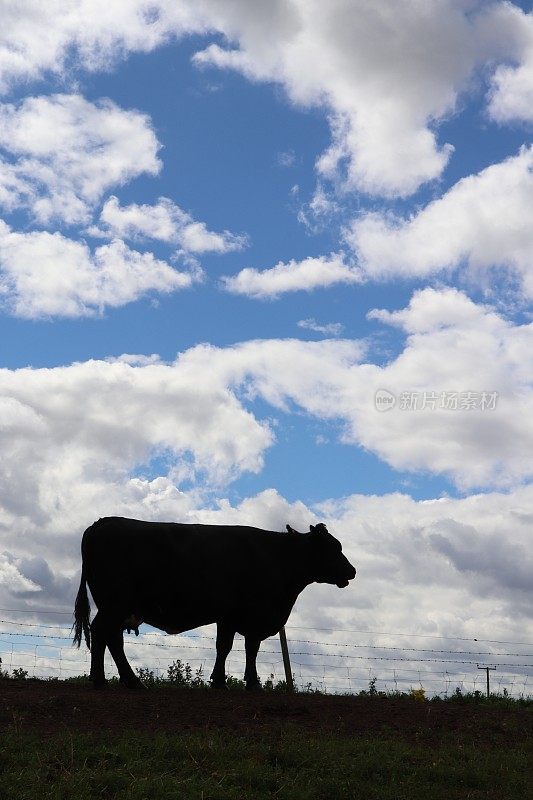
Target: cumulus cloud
(482, 222)
(60, 429)
(428, 546)
(320, 211)
(59, 154)
(59, 426)
(452, 345)
(384, 72)
(36, 38)
(306, 275)
(166, 222)
(511, 95)
(49, 275)
(13, 581)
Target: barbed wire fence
(318, 661)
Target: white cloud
(328, 329)
(166, 222)
(455, 345)
(64, 442)
(384, 72)
(321, 211)
(452, 345)
(482, 222)
(37, 38)
(434, 567)
(61, 437)
(511, 95)
(47, 275)
(11, 578)
(463, 561)
(306, 275)
(62, 152)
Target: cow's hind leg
(115, 642)
(98, 642)
(251, 644)
(225, 636)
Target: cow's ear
(312, 529)
(289, 529)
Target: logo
(384, 400)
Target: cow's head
(328, 563)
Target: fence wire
(349, 666)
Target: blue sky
(326, 152)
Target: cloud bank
(59, 425)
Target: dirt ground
(49, 707)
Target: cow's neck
(298, 570)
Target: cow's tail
(82, 610)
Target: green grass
(289, 763)
(470, 748)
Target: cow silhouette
(177, 576)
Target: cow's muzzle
(346, 580)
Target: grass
(288, 764)
(477, 748)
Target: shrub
(270, 686)
(19, 674)
(148, 677)
(180, 674)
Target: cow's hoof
(254, 686)
(219, 686)
(100, 683)
(133, 685)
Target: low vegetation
(59, 740)
(180, 675)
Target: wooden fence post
(286, 660)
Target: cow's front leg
(225, 636)
(251, 644)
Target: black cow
(177, 577)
